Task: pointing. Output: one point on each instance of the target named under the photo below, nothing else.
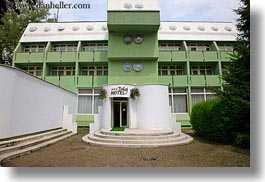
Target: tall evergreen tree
(236, 93)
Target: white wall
(28, 104)
(153, 107)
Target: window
(201, 70)
(170, 70)
(199, 47)
(63, 71)
(64, 47)
(88, 101)
(35, 48)
(169, 47)
(94, 70)
(95, 47)
(178, 100)
(201, 94)
(226, 48)
(33, 70)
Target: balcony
(225, 56)
(196, 55)
(99, 81)
(197, 80)
(213, 80)
(86, 56)
(179, 56)
(66, 82)
(101, 56)
(180, 80)
(84, 81)
(21, 57)
(165, 80)
(61, 57)
(164, 56)
(211, 55)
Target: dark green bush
(209, 121)
(218, 120)
(242, 140)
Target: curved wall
(153, 107)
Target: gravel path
(73, 152)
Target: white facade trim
(97, 31)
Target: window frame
(87, 47)
(33, 69)
(95, 69)
(64, 47)
(168, 69)
(33, 48)
(92, 95)
(62, 70)
(172, 93)
(205, 93)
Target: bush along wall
(210, 121)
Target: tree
(14, 24)
(236, 92)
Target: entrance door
(120, 113)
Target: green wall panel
(149, 74)
(22, 57)
(68, 83)
(99, 81)
(133, 21)
(225, 56)
(213, 80)
(179, 56)
(36, 57)
(118, 50)
(211, 55)
(164, 56)
(52, 79)
(101, 56)
(84, 120)
(184, 119)
(180, 81)
(68, 56)
(196, 55)
(197, 80)
(53, 56)
(85, 81)
(86, 56)
(165, 80)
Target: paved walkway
(73, 152)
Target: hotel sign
(119, 90)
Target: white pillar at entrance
(106, 113)
(153, 107)
(132, 113)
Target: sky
(170, 10)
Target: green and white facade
(171, 63)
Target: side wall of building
(29, 105)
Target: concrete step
(33, 148)
(137, 132)
(12, 142)
(136, 137)
(31, 142)
(136, 141)
(187, 139)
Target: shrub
(218, 120)
(242, 140)
(209, 121)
